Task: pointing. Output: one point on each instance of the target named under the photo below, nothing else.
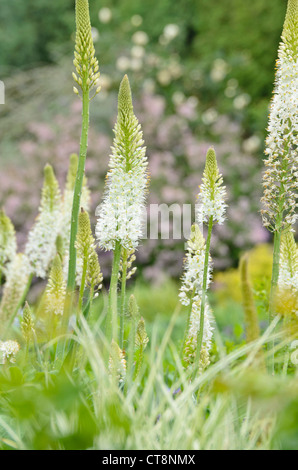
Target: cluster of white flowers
(8, 245)
(41, 245)
(280, 178)
(212, 195)
(16, 280)
(8, 350)
(120, 216)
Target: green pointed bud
(49, 176)
(289, 34)
(211, 169)
(5, 223)
(85, 61)
(56, 289)
(50, 191)
(141, 335)
(133, 308)
(84, 236)
(125, 106)
(27, 324)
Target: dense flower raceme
(85, 61)
(41, 245)
(212, 195)
(8, 245)
(190, 295)
(280, 178)
(120, 216)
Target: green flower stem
(20, 304)
(123, 297)
(78, 190)
(203, 301)
(187, 322)
(112, 317)
(274, 283)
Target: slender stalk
(275, 272)
(78, 190)
(112, 317)
(123, 297)
(91, 295)
(203, 300)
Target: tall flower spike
(56, 289)
(87, 69)
(212, 195)
(16, 279)
(8, 245)
(85, 62)
(41, 245)
(120, 216)
(280, 178)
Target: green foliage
(36, 28)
